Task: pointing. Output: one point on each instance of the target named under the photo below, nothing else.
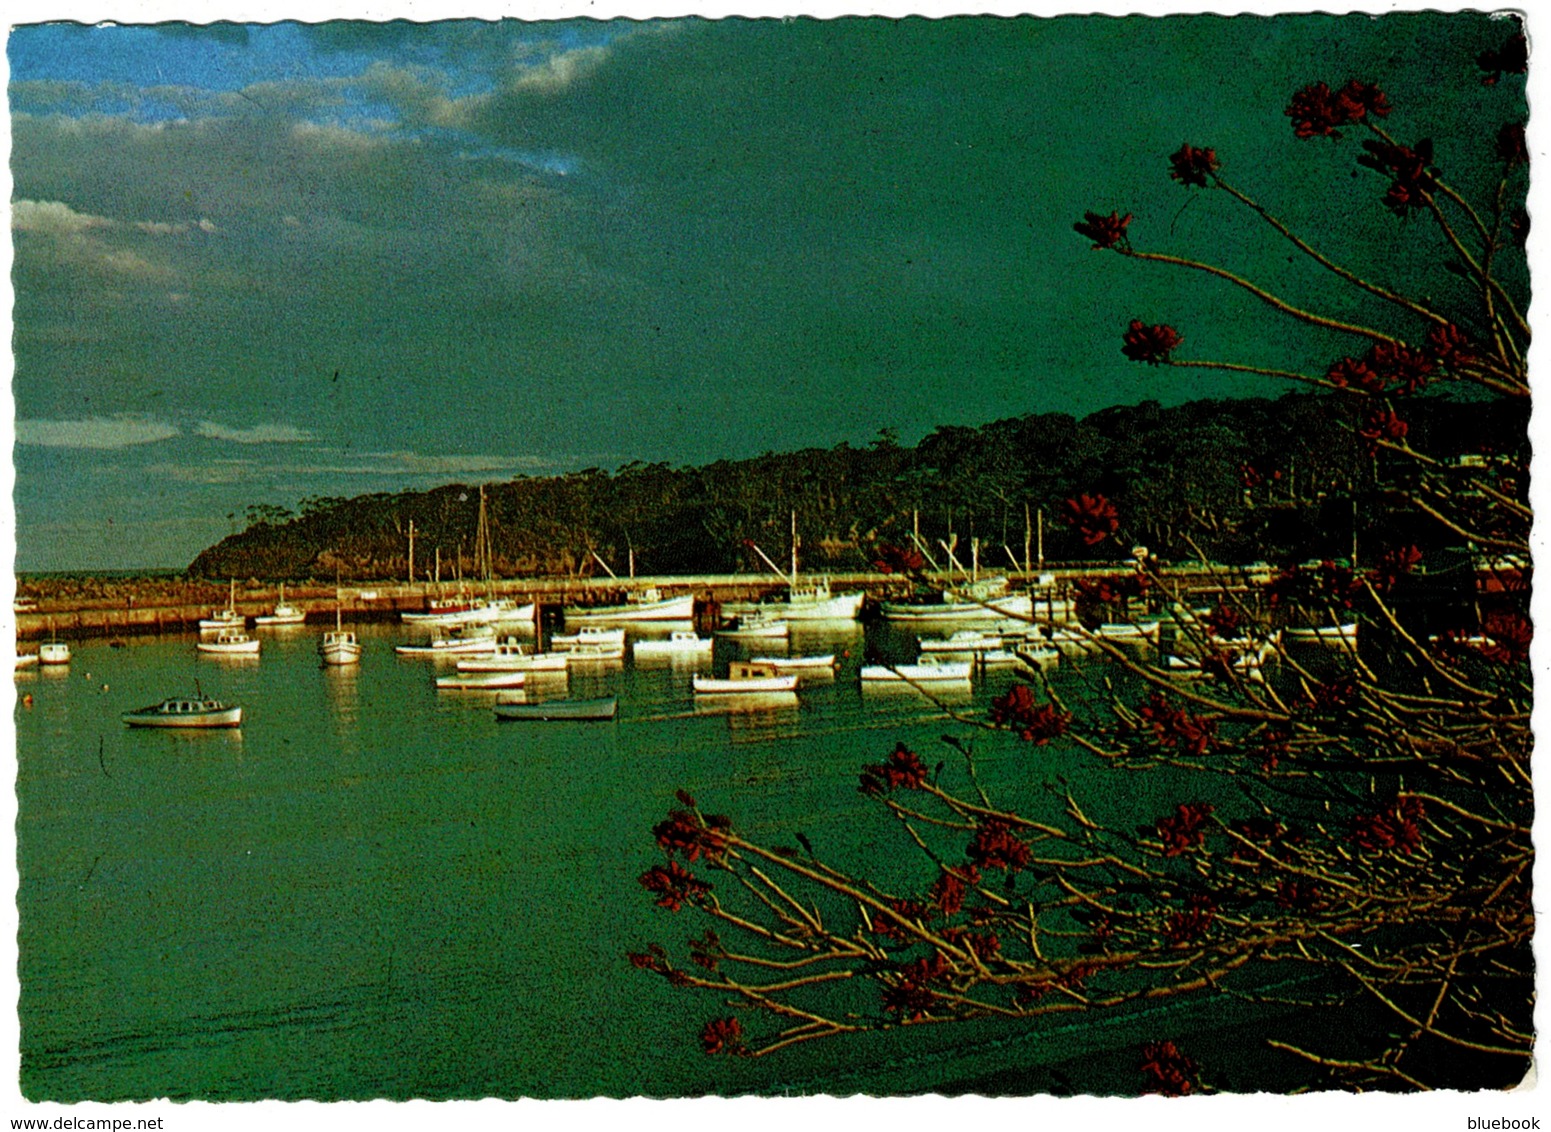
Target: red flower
(1174, 727)
(1400, 365)
(1250, 476)
(1413, 180)
(1299, 895)
(1170, 1073)
(1192, 923)
(1355, 373)
(723, 1035)
(1382, 426)
(1394, 827)
(1104, 231)
(1510, 634)
(903, 769)
(1448, 344)
(1192, 166)
(911, 998)
(996, 847)
(674, 885)
(1185, 829)
(1224, 622)
(1316, 113)
(1093, 517)
(1035, 722)
(1358, 100)
(1151, 344)
(890, 928)
(1511, 58)
(1393, 565)
(949, 889)
(1335, 695)
(984, 945)
(898, 559)
(686, 833)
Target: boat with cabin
(589, 636)
(755, 627)
(745, 676)
(647, 605)
(459, 639)
(810, 600)
(681, 642)
(988, 599)
(185, 713)
(513, 656)
(283, 614)
(227, 618)
(927, 670)
(339, 645)
(230, 642)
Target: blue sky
(259, 263)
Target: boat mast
(794, 548)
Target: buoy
(27, 700)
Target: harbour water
(374, 889)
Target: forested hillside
(1240, 480)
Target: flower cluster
(1192, 922)
(1170, 1073)
(1151, 344)
(723, 1035)
(1191, 166)
(911, 998)
(1382, 426)
(1393, 827)
(890, 928)
(1104, 231)
(1175, 727)
(1299, 895)
(1185, 828)
(1394, 564)
(996, 847)
(1317, 111)
(1510, 636)
(893, 559)
(1412, 177)
(1033, 721)
(1224, 621)
(687, 833)
(1394, 367)
(674, 885)
(903, 769)
(1093, 517)
(948, 891)
(985, 946)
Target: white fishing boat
(986, 600)
(1343, 634)
(481, 682)
(587, 636)
(928, 670)
(191, 713)
(26, 660)
(54, 651)
(812, 600)
(283, 614)
(339, 646)
(230, 642)
(227, 618)
(756, 627)
(442, 612)
(745, 676)
(603, 708)
(464, 640)
(797, 663)
(682, 642)
(964, 641)
(647, 605)
(512, 656)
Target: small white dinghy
(745, 676)
(481, 682)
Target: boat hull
(554, 710)
(917, 673)
(715, 686)
(183, 720)
(487, 682)
(669, 609)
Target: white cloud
(122, 431)
(258, 434)
(561, 71)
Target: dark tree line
(1244, 480)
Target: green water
(376, 890)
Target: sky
(255, 264)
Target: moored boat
(603, 708)
(283, 613)
(1345, 633)
(191, 713)
(648, 605)
(745, 676)
(589, 636)
(481, 682)
(964, 641)
(682, 642)
(459, 640)
(797, 663)
(227, 618)
(230, 642)
(510, 656)
(927, 670)
(54, 652)
(985, 600)
(755, 626)
(26, 660)
(339, 647)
